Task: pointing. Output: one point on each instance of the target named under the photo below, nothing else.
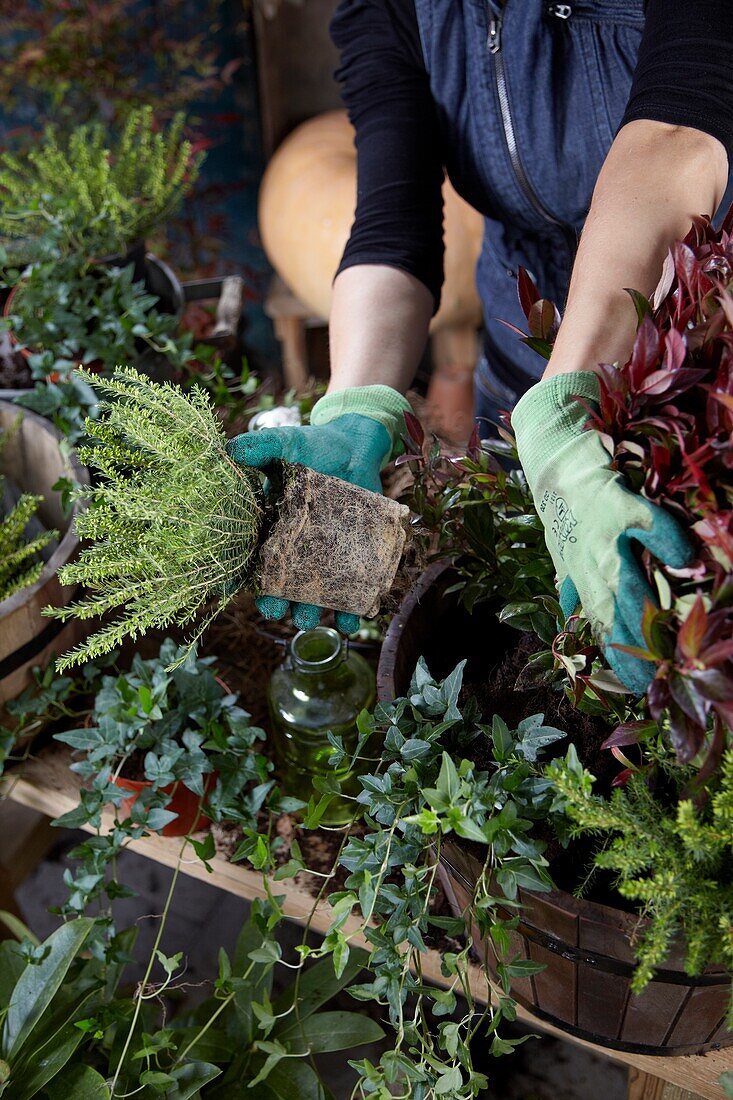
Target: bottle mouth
(316, 649)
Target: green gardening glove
(592, 520)
(352, 434)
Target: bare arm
(656, 177)
(378, 327)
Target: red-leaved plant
(666, 417)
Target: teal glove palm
(351, 435)
(592, 520)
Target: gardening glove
(592, 520)
(352, 434)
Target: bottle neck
(317, 650)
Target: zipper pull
(560, 11)
(494, 40)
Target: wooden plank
(644, 1087)
(47, 785)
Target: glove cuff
(380, 403)
(547, 416)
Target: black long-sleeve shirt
(683, 76)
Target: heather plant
(108, 190)
(175, 521)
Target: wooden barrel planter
(586, 947)
(31, 461)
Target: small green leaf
(340, 955)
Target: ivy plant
(183, 726)
(425, 790)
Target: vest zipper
(494, 46)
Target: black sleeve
(684, 71)
(399, 207)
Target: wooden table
(46, 784)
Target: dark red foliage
(667, 417)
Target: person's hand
(592, 520)
(351, 435)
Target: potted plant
(170, 738)
(63, 311)
(106, 192)
(642, 960)
(176, 524)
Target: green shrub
(175, 522)
(109, 191)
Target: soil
(134, 767)
(319, 847)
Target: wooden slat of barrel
(708, 1002)
(20, 677)
(650, 1015)
(555, 986)
(32, 461)
(601, 1002)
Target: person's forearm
(378, 327)
(655, 179)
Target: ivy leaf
(340, 955)
(315, 810)
(448, 784)
(449, 1083)
(170, 963)
(156, 1080)
(205, 849)
(275, 1052)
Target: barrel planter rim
(605, 960)
(69, 541)
(386, 690)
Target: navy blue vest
(529, 94)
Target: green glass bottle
(321, 686)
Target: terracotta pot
(184, 803)
(587, 948)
